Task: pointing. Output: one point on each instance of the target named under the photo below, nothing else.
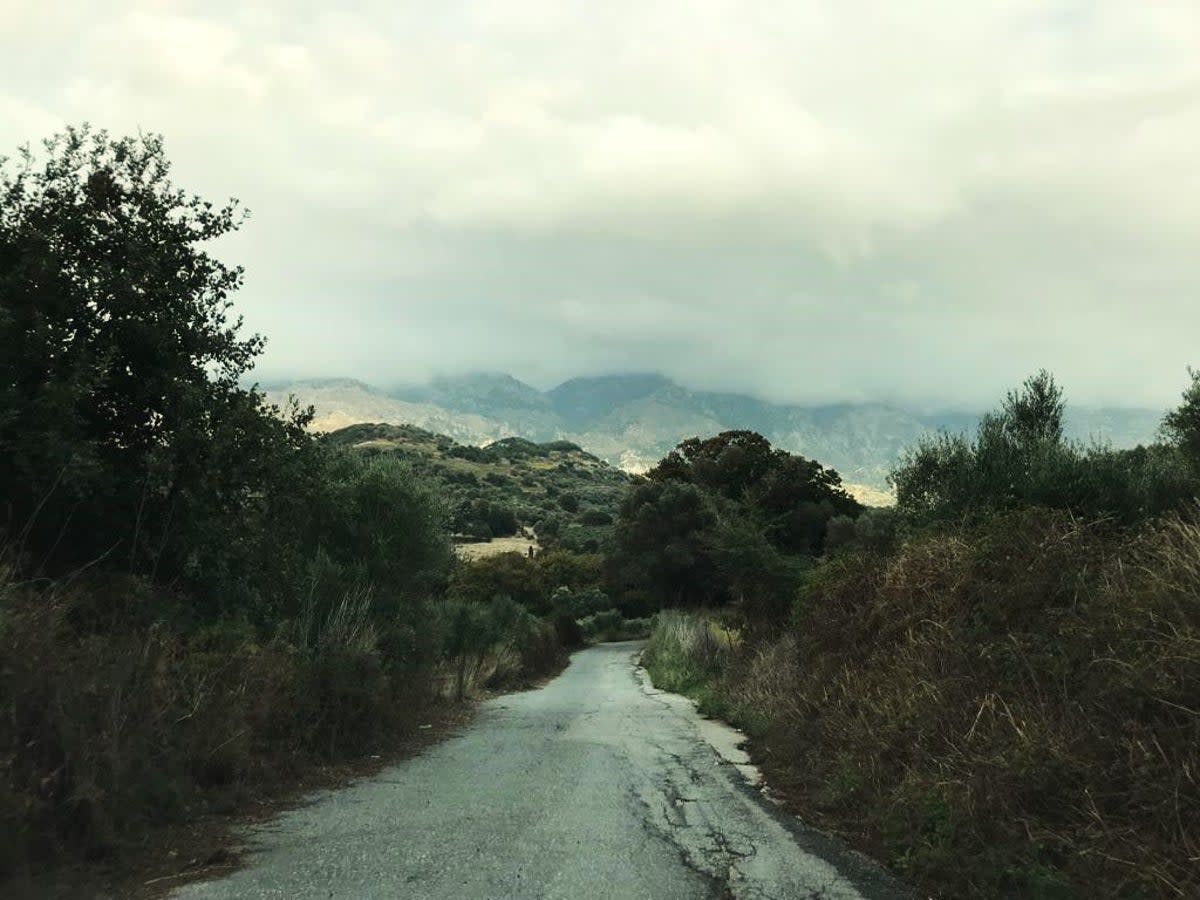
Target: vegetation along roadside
(202, 603)
(993, 687)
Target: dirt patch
(496, 546)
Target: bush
(1005, 709)
(610, 625)
(511, 575)
(578, 604)
(496, 643)
(565, 568)
(484, 520)
(599, 625)
(839, 533)
(108, 734)
(1019, 458)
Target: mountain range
(631, 421)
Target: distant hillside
(631, 421)
(569, 497)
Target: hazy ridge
(630, 421)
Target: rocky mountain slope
(631, 421)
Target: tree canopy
(1020, 457)
(120, 359)
(127, 440)
(727, 518)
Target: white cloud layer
(816, 200)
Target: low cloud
(815, 201)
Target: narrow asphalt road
(594, 786)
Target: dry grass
(1007, 711)
(118, 729)
(496, 546)
(110, 733)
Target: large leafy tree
(662, 554)
(726, 518)
(124, 428)
(731, 463)
(792, 497)
(1182, 425)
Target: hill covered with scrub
(567, 496)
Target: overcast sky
(840, 200)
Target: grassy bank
(198, 597)
(114, 729)
(1007, 709)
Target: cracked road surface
(594, 786)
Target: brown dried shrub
(1011, 709)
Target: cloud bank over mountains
(812, 202)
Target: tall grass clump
(685, 651)
(110, 733)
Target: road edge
(869, 876)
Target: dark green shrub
(1019, 458)
(840, 532)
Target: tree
(125, 425)
(1034, 413)
(760, 578)
(662, 547)
(935, 476)
(792, 496)
(1019, 457)
(795, 498)
(1182, 425)
(727, 518)
(730, 463)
